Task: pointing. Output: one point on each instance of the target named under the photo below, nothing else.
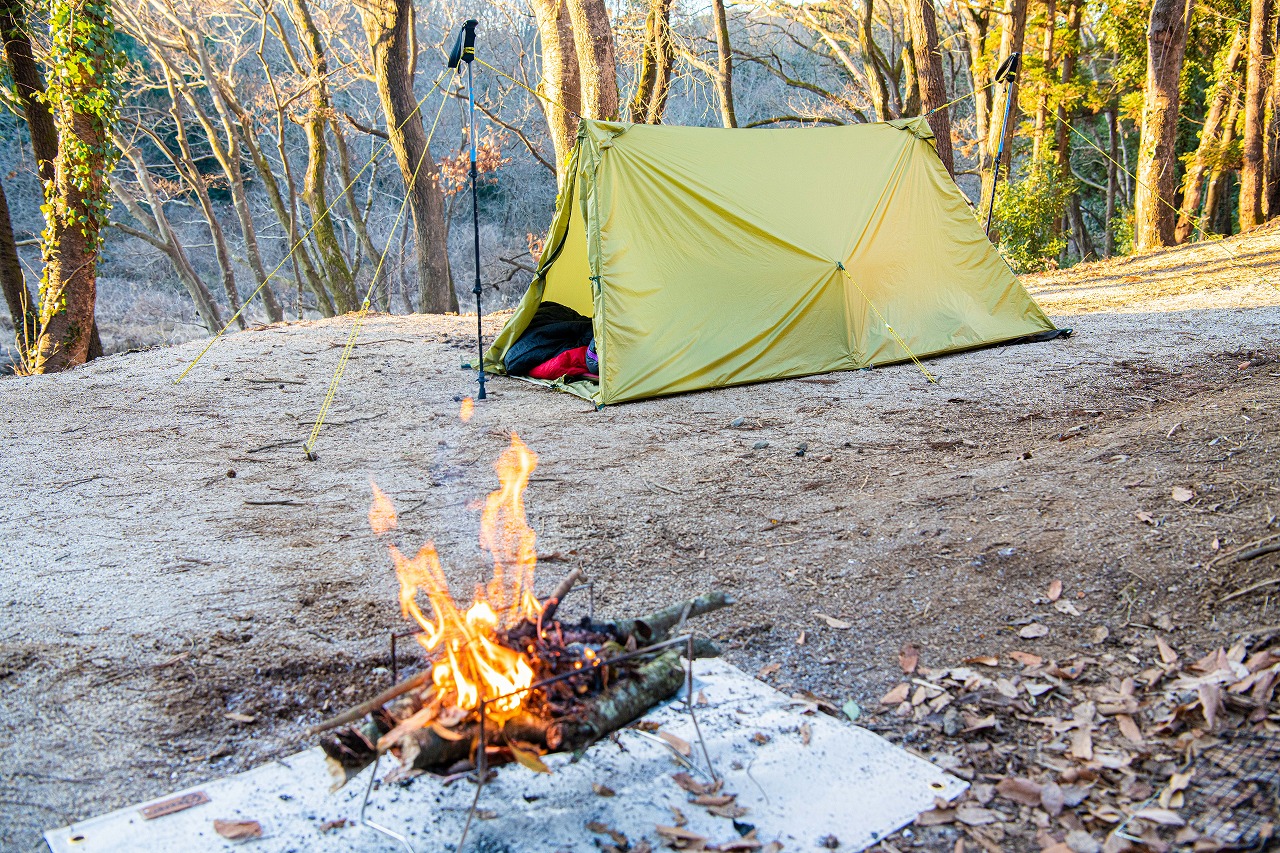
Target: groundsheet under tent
(845, 782)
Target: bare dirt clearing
(170, 558)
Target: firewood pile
(424, 727)
(1135, 748)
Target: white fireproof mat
(847, 783)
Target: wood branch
(557, 595)
(655, 627)
(778, 119)
(357, 711)
(371, 131)
(625, 701)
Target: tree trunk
(1218, 190)
(1113, 181)
(559, 84)
(1273, 138)
(28, 85)
(1154, 215)
(314, 193)
(1012, 36)
(597, 68)
(657, 56)
(76, 196)
(1042, 97)
(22, 309)
(976, 22)
(387, 26)
(879, 91)
(1252, 172)
(1210, 140)
(1079, 233)
(724, 65)
(933, 88)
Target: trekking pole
(1006, 73)
(464, 50)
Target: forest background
(171, 167)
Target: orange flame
(469, 662)
(467, 409)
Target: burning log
(505, 680)
(625, 701)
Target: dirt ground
(169, 556)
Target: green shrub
(1027, 210)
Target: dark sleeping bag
(553, 329)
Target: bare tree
(1224, 88)
(1252, 174)
(657, 57)
(1154, 214)
(724, 65)
(388, 26)
(933, 89)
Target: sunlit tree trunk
(388, 27)
(1113, 183)
(1252, 172)
(657, 56)
(1217, 192)
(1046, 85)
(933, 88)
(1273, 135)
(976, 22)
(1070, 52)
(597, 68)
(1210, 139)
(1154, 215)
(314, 192)
(559, 84)
(82, 103)
(28, 85)
(724, 65)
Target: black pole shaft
(1004, 132)
(475, 228)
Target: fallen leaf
(528, 756)
(240, 718)
(1032, 631)
(909, 658)
(1099, 635)
(675, 833)
(1164, 817)
(971, 815)
(1055, 590)
(1082, 737)
(331, 825)
(935, 817)
(1019, 790)
(1181, 494)
(603, 790)
(1129, 729)
(834, 622)
(604, 829)
(800, 639)
(677, 816)
(897, 695)
(693, 786)
(731, 811)
(806, 733)
(1064, 606)
(852, 710)
(1026, 658)
(768, 670)
(1210, 703)
(679, 744)
(238, 830)
(1145, 517)
(760, 738)
(1052, 798)
(714, 799)
(985, 660)
(1167, 654)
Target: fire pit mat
(847, 783)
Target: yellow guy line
(1217, 240)
(892, 331)
(310, 445)
(533, 92)
(314, 225)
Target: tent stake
(1006, 73)
(464, 50)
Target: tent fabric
(709, 257)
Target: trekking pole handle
(464, 48)
(1009, 68)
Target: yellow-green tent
(709, 257)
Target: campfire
(505, 679)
